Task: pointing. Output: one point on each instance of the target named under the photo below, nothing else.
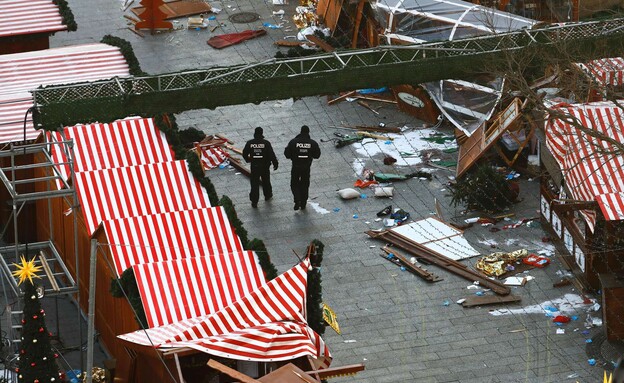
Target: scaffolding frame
(56, 278)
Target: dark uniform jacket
(301, 150)
(260, 153)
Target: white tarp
(418, 21)
(439, 237)
(467, 105)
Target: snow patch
(317, 208)
(568, 304)
(410, 142)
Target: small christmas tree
(37, 362)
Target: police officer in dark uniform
(301, 150)
(260, 153)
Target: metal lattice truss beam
(296, 77)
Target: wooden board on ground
(518, 268)
(290, 43)
(484, 300)
(179, 8)
(320, 43)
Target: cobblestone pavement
(392, 321)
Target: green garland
(126, 50)
(66, 15)
(314, 301)
(127, 282)
(228, 205)
(257, 245)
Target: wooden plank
(232, 373)
(484, 300)
(48, 271)
(334, 372)
(238, 165)
(290, 43)
(320, 43)
(179, 8)
(358, 21)
(341, 97)
(403, 261)
(367, 106)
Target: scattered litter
(385, 211)
(561, 319)
(572, 376)
(560, 331)
(272, 26)
(372, 246)
(460, 301)
(472, 220)
(446, 303)
(336, 209)
(480, 293)
(237, 173)
(588, 341)
(348, 193)
(277, 13)
(596, 307)
(536, 260)
(592, 362)
(384, 192)
(496, 264)
(356, 216)
(389, 222)
(593, 321)
(515, 281)
(350, 341)
(378, 219)
(472, 287)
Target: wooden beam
(358, 21)
(334, 372)
(231, 372)
(403, 261)
(573, 206)
(475, 300)
(320, 43)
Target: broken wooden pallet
(440, 260)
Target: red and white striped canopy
(266, 325)
(593, 168)
(607, 71)
(132, 141)
(180, 289)
(22, 72)
(21, 17)
(210, 156)
(133, 191)
(171, 235)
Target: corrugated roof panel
(593, 167)
(22, 72)
(21, 17)
(133, 191)
(127, 142)
(171, 235)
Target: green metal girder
(106, 101)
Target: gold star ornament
(27, 270)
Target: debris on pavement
(484, 300)
(400, 260)
(497, 264)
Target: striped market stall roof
(22, 72)
(266, 325)
(607, 71)
(137, 190)
(132, 141)
(180, 289)
(591, 173)
(21, 17)
(171, 235)
(210, 156)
